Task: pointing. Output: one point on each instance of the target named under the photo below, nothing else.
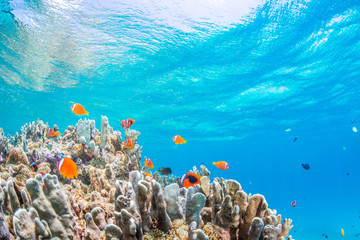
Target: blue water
(229, 76)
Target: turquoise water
(228, 76)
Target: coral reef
(27, 225)
(112, 199)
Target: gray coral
(27, 225)
(51, 205)
(195, 201)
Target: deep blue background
(228, 76)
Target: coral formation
(112, 199)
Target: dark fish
(295, 139)
(305, 166)
(165, 171)
(347, 173)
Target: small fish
(293, 203)
(347, 174)
(354, 129)
(189, 179)
(344, 148)
(127, 123)
(148, 163)
(43, 174)
(78, 109)
(128, 143)
(288, 130)
(342, 232)
(51, 133)
(306, 166)
(34, 166)
(178, 140)
(222, 165)
(295, 139)
(148, 174)
(165, 171)
(68, 168)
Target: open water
(229, 76)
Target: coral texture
(111, 198)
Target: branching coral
(28, 226)
(52, 205)
(111, 199)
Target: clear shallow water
(229, 77)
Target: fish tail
(185, 141)
(214, 163)
(86, 113)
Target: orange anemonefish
(189, 179)
(51, 133)
(178, 140)
(78, 109)
(148, 174)
(342, 232)
(127, 123)
(68, 168)
(293, 203)
(34, 166)
(128, 143)
(148, 163)
(222, 165)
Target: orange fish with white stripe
(189, 179)
(51, 133)
(68, 168)
(222, 165)
(78, 109)
(148, 174)
(128, 143)
(178, 140)
(127, 123)
(148, 163)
